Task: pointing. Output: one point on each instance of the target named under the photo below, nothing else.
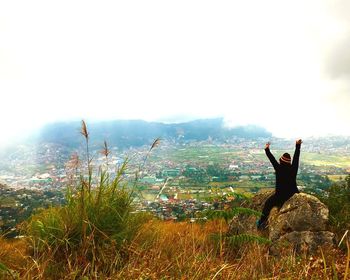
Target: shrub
(337, 199)
(90, 233)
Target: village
(174, 181)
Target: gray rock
(301, 221)
(302, 212)
(303, 241)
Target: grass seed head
(84, 130)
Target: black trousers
(272, 201)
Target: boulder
(303, 241)
(301, 221)
(302, 212)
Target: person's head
(285, 159)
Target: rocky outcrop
(303, 241)
(302, 212)
(301, 222)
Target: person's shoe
(261, 225)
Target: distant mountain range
(127, 133)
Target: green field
(342, 161)
(203, 155)
(212, 189)
(320, 159)
(337, 177)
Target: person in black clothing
(286, 185)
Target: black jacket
(286, 174)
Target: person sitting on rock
(286, 185)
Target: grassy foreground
(168, 250)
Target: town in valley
(174, 181)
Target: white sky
(284, 65)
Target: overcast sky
(284, 65)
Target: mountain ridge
(127, 133)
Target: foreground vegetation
(168, 250)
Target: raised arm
(295, 163)
(270, 156)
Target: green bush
(92, 230)
(91, 223)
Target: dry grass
(13, 253)
(168, 250)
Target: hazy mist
(281, 65)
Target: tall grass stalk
(85, 133)
(347, 261)
(155, 143)
(324, 264)
(105, 152)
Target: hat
(285, 158)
